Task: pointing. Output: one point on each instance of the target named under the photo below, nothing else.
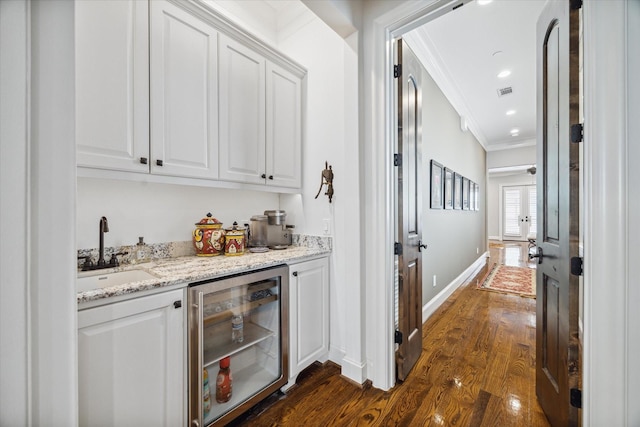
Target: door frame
(605, 120)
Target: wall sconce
(326, 179)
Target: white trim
(606, 374)
(429, 308)
(52, 255)
(354, 370)
(495, 238)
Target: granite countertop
(184, 270)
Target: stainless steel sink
(96, 280)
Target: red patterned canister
(208, 237)
(234, 240)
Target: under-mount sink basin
(97, 280)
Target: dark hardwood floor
(477, 369)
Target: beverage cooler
(237, 343)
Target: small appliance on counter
(278, 233)
(258, 234)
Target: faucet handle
(114, 259)
(87, 262)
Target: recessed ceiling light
(483, 2)
(515, 131)
(511, 112)
(504, 73)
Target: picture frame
(436, 185)
(457, 191)
(465, 194)
(472, 195)
(477, 195)
(448, 188)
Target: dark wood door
(409, 211)
(557, 357)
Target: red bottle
(223, 383)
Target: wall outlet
(434, 280)
(326, 226)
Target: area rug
(513, 280)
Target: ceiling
(465, 50)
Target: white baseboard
(355, 371)
(495, 238)
(429, 308)
(336, 355)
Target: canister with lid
(208, 237)
(234, 240)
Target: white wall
(456, 238)
(331, 135)
(159, 212)
(494, 183)
(512, 157)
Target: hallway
(477, 369)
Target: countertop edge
(180, 272)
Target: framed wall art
(457, 191)
(448, 188)
(465, 194)
(436, 185)
(477, 194)
(472, 195)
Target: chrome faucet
(104, 228)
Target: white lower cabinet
(308, 315)
(131, 362)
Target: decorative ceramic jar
(208, 237)
(234, 238)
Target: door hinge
(576, 265)
(576, 398)
(398, 337)
(397, 248)
(397, 70)
(576, 4)
(397, 159)
(577, 132)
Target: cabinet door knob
(177, 304)
(263, 176)
(159, 162)
(271, 177)
(295, 274)
(143, 160)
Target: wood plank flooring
(477, 369)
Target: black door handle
(538, 255)
(421, 246)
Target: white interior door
(518, 211)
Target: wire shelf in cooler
(218, 344)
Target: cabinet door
(184, 127)
(242, 113)
(284, 128)
(112, 84)
(131, 363)
(309, 314)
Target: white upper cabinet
(172, 89)
(284, 128)
(260, 119)
(184, 82)
(112, 84)
(242, 113)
